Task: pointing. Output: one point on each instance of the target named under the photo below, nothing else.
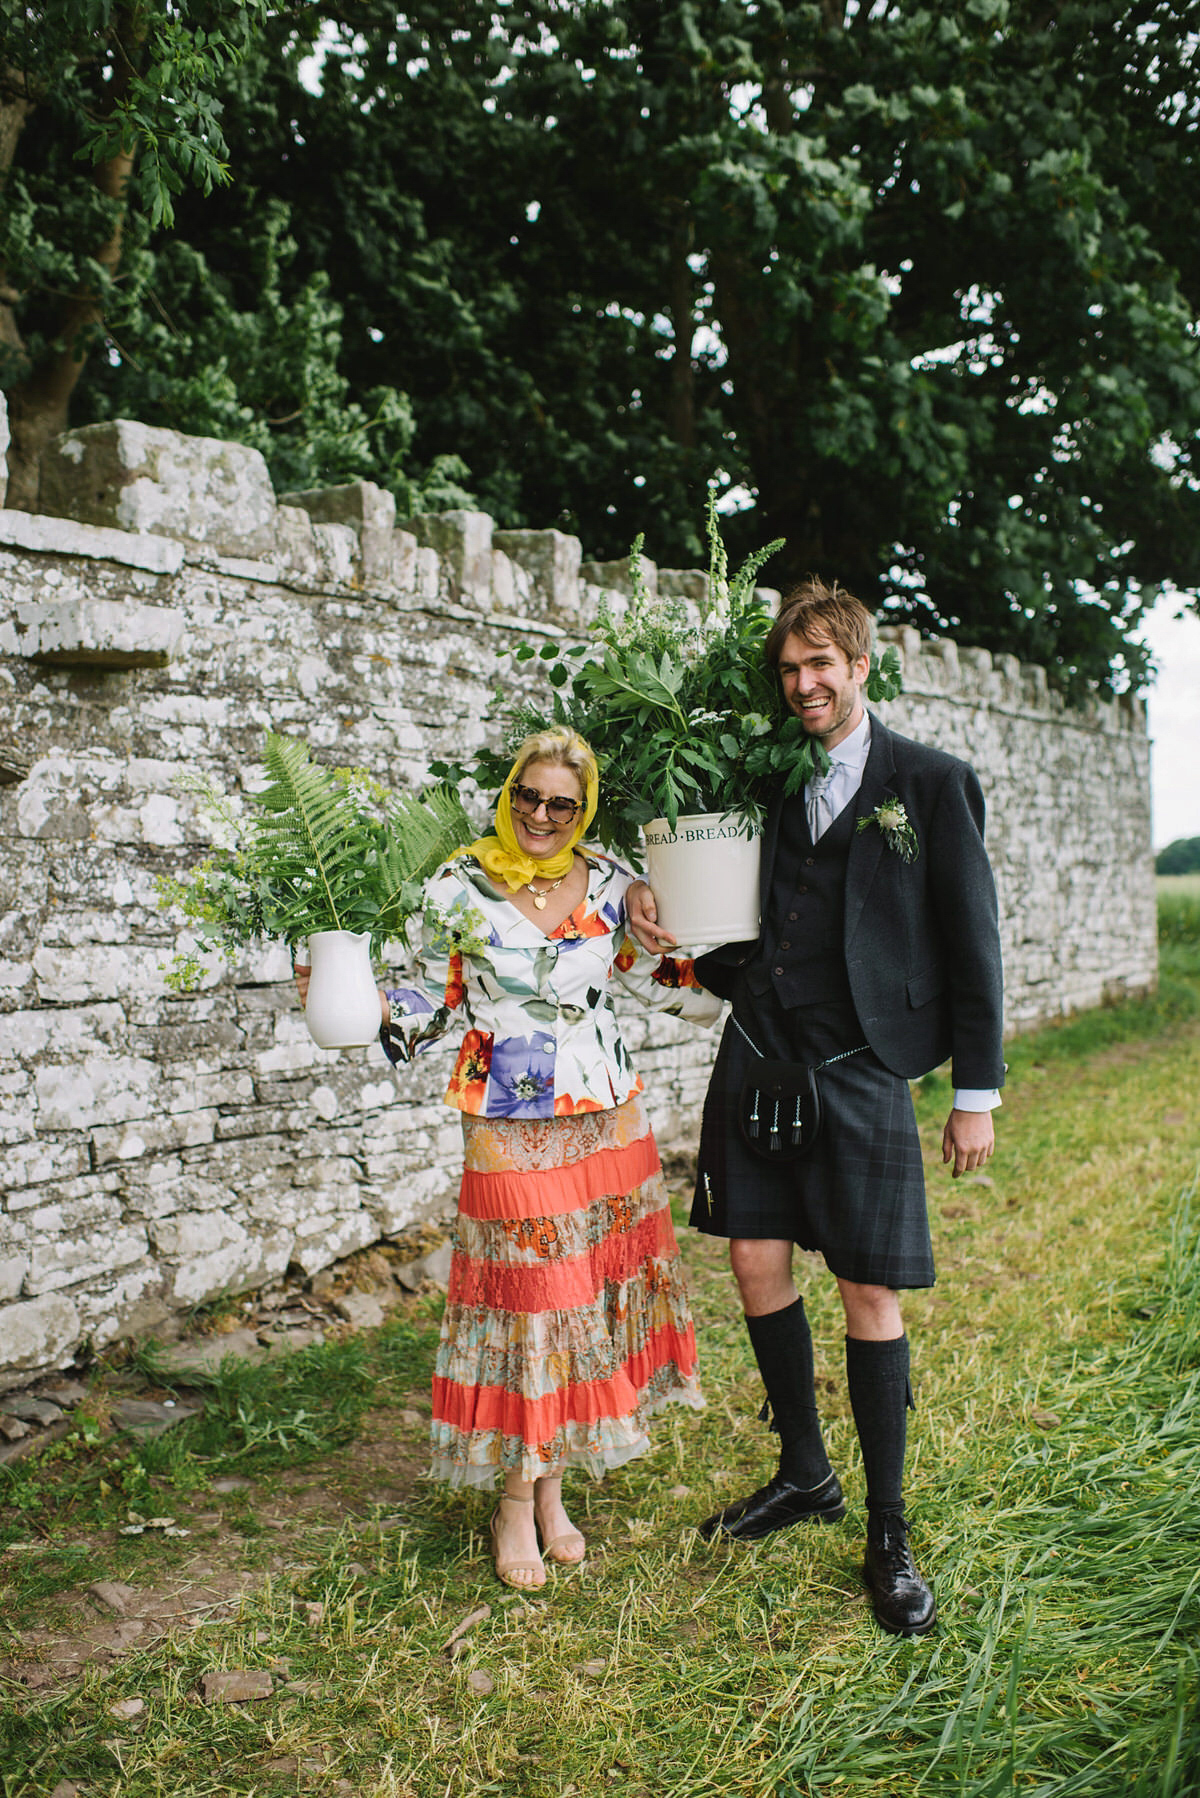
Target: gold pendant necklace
(539, 899)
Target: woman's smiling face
(536, 832)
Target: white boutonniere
(898, 833)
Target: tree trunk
(39, 406)
(16, 104)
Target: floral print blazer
(542, 1038)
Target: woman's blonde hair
(564, 747)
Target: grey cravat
(817, 803)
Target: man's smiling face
(822, 687)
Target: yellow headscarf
(501, 856)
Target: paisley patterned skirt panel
(567, 1322)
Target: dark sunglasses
(559, 809)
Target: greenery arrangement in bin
(319, 849)
(677, 701)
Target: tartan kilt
(858, 1196)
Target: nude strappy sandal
(566, 1550)
(504, 1569)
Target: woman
(567, 1320)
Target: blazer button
(779, 970)
(802, 889)
(792, 916)
(810, 861)
(785, 945)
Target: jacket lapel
(866, 846)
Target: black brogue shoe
(902, 1600)
(773, 1507)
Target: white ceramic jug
(342, 1011)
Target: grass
(1055, 1498)
(1179, 909)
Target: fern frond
(420, 832)
(310, 828)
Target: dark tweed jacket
(921, 940)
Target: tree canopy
(919, 285)
(1180, 857)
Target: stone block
(132, 477)
(189, 1234)
(403, 1198)
(94, 971)
(404, 560)
(63, 537)
(98, 633)
(427, 577)
(336, 550)
(940, 658)
(684, 583)
(1036, 686)
(72, 1259)
(295, 545)
(905, 637)
(13, 1269)
(462, 542)
(360, 504)
(504, 582)
(1009, 669)
(617, 577)
(34, 1334)
(77, 1096)
(24, 1166)
(235, 1266)
(328, 1237)
(979, 661)
(368, 510)
(552, 561)
(153, 1135)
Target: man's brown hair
(820, 614)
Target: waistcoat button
(785, 944)
(779, 970)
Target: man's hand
(968, 1140)
(642, 913)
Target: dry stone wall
(162, 611)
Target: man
(878, 946)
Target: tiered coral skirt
(567, 1321)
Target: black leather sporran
(779, 1106)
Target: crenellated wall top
(155, 500)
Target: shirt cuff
(976, 1098)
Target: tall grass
(1179, 910)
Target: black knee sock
(880, 1397)
(782, 1347)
